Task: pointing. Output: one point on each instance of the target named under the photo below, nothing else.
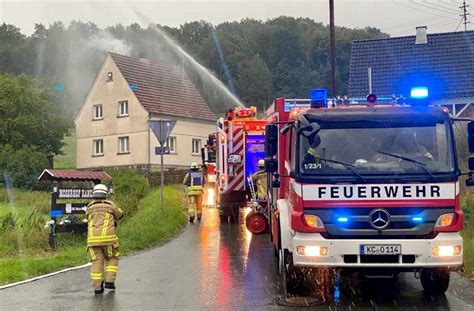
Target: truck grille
(376, 259)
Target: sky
(396, 17)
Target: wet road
(209, 267)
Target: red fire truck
(367, 186)
(240, 144)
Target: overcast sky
(397, 17)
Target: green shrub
(129, 189)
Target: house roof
(445, 65)
(162, 88)
(72, 175)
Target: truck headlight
(314, 251)
(313, 221)
(444, 220)
(447, 251)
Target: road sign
(162, 129)
(162, 150)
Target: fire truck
(365, 185)
(240, 144)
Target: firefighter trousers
(103, 259)
(195, 201)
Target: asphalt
(213, 267)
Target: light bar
(419, 92)
(417, 219)
(342, 219)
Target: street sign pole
(162, 130)
(162, 172)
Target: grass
(148, 227)
(468, 235)
(68, 159)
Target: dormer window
(110, 76)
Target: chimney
(421, 35)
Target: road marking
(44, 276)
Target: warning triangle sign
(162, 129)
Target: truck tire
(435, 281)
(292, 278)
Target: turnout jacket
(102, 217)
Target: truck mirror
(271, 140)
(310, 130)
(271, 165)
(470, 137)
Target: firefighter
(311, 159)
(102, 242)
(259, 179)
(193, 181)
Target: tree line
(45, 76)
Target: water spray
(201, 69)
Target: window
(123, 145)
(171, 143)
(110, 76)
(98, 147)
(196, 147)
(98, 112)
(123, 108)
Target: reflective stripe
(313, 152)
(106, 238)
(91, 224)
(105, 225)
(91, 252)
(96, 275)
(109, 250)
(111, 269)
(117, 254)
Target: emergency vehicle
(240, 144)
(367, 186)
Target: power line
(465, 14)
(417, 9)
(431, 7)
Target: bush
(129, 189)
(22, 167)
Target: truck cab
(370, 187)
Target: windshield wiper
(346, 165)
(418, 163)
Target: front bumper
(420, 252)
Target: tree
(29, 116)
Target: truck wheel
(435, 281)
(256, 222)
(292, 278)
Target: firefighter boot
(199, 207)
(111, 266)
(97, 258)
(191, 211)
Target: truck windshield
(372, 148)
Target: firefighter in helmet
(259, 179)
(311, 159)
(193, 181)
(102, 242)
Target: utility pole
(332, 39)
(465, 14)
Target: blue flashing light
(133, 86)
(342, 219)
(58, 88)
(319, 98)
(419, 92)
(417, 219)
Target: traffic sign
(162, 150)
(162, 129)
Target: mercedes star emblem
(379, 219)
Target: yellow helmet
(261, 163)
(194, 165)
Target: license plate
(378, 249)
